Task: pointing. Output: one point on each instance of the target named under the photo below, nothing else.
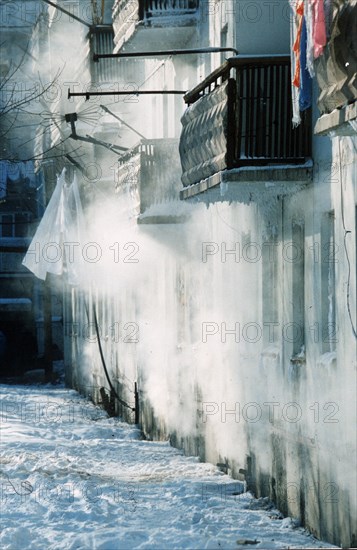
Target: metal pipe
(97, 56)
(110, 146)
(75, 163)
(87, 95)
(95, 141)
(72, 118)
(121, 401)
(121, 120)
(68, 13)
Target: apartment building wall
(235, 320)
(218, 357)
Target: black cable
(345, 247)
(103, 361)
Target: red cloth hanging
(318, 27)
(296, 46)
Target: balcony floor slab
(247, 184)
(340, 122)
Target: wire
(345, 246)
(103, 360)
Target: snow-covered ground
(73, 478)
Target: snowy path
(71, 478)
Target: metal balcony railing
(240, 115)
(127, 14)
(108, 71)
(102, 41)
(152, 8)
(149, 172)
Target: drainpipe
(59, 8)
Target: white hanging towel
(295, 92)
(56, 245)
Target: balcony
(149, 173)
(130, 16)
(239, 120)
(336, 73)
(100, 40)
(151, 9)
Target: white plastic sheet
(56, 245)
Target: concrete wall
(262, 27)
(254, 28)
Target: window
(7, 225)
(14, 224)
(328, 328)
(297, 257)
(270, 285)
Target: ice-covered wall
(235, 325)
(237, 322)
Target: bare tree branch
(13, 106)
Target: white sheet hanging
(57, 244)
(295, 92)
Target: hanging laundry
(297, 43)
(328, 17)
(318, 27)
(305, 80)
(55, 247)
(295, 91)
(308, 14)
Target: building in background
(216, 302)
(22, 193)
